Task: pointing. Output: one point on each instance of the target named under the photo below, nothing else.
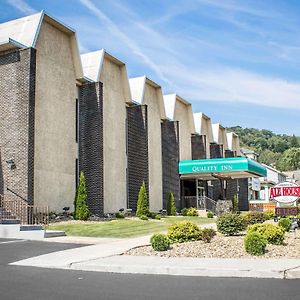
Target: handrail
(207, 203)
(16, 194)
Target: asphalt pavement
(26, 282)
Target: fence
(19, 209)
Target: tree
(294, 143)
(81, 211)
(142, 204)
(290, 160)
(171, 208)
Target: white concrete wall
(115, 95)
(203, 127)
(55, 147)
(153, 99)
(183, 114)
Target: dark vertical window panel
(91, 143)
(170, 161)
(137, 152)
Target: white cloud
(22, 6)
(130, 43)
(224, 84)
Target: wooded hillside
(278, 150)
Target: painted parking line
(10, 242)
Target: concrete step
(54, 233)
(9, 221)
(31, 227)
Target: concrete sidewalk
(106, 256)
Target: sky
(237, 61)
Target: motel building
(62, 113)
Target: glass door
(200, 194)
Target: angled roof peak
(23, 30)
(137, 88)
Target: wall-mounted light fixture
(11, 164)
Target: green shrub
(207, 234)
(190, 212)
(184, 232)
(272, 233)
(81, 211)
(254, 217)
(285, 224)
(230, 224)
(151, 215)
(269, 214)
(171, 208)
(235, 203)
(160, 242)
(210, 214)
(143, 217)
(157, 217)
(120, 215)
(255, 243)
(184, 211)
(142, 204)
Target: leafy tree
(171, 208)
(268, 145)
(142, 204)
(81, 211)
(290, 160)
(294, 143)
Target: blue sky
(236, 61)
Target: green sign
(221, 165)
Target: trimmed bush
(235, 203)
(143, 217)
(207, 234)
(81, 211)
(120, 215)
(184, 211)
(269, 214)
(157, 217)
(210, 214)
(285, 224)
(190, 212)
(182, 232)
(272, 233)
(151, 215)
(142, 204)
(171, 208)
(230, 224)
(254, 217)
(160, 242)
(255, 243)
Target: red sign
(285, 192)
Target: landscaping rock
(224, 247)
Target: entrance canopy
(222, 168)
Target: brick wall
(216, 191)
(17, 103)
(1, 176)
(170, 161)
(231, 186)
(243, 194)
(137, 152)
(198, 147)
(91, 143)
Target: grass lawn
(124, 228)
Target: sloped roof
(198, 120)
(23, 30)
(92, 63)
(137, 88)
